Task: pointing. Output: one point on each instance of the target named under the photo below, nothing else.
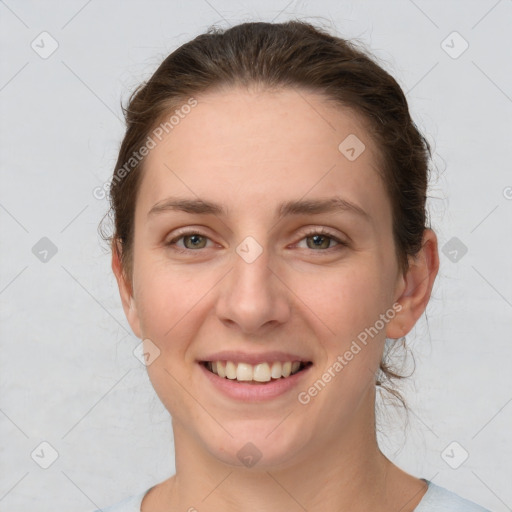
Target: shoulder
(439, 499)
(130, 504)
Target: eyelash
(320, 231)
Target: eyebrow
(287, 208)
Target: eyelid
(305, 233)
(341, 243)
(180, 233)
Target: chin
(262, 448)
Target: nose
(253, 296)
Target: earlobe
(415, 287)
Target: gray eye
(194, 241)
(317, 241)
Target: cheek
(168, 302)
(347, 299)
(348, 302)
(166, 296)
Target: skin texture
(249, 150)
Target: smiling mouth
(257, 373)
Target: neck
(343, 471)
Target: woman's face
(247, 284)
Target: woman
(270, 235)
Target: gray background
(68, 374)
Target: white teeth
(243, 371)
(221, 369)
(261, 372)
(230, 370)
(275, 372)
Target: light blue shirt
(436, 499)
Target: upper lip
(254, 358)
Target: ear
(415, 287)
(125, 290)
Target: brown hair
(290, 54)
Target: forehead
(249, 149)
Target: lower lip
(254, 392)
